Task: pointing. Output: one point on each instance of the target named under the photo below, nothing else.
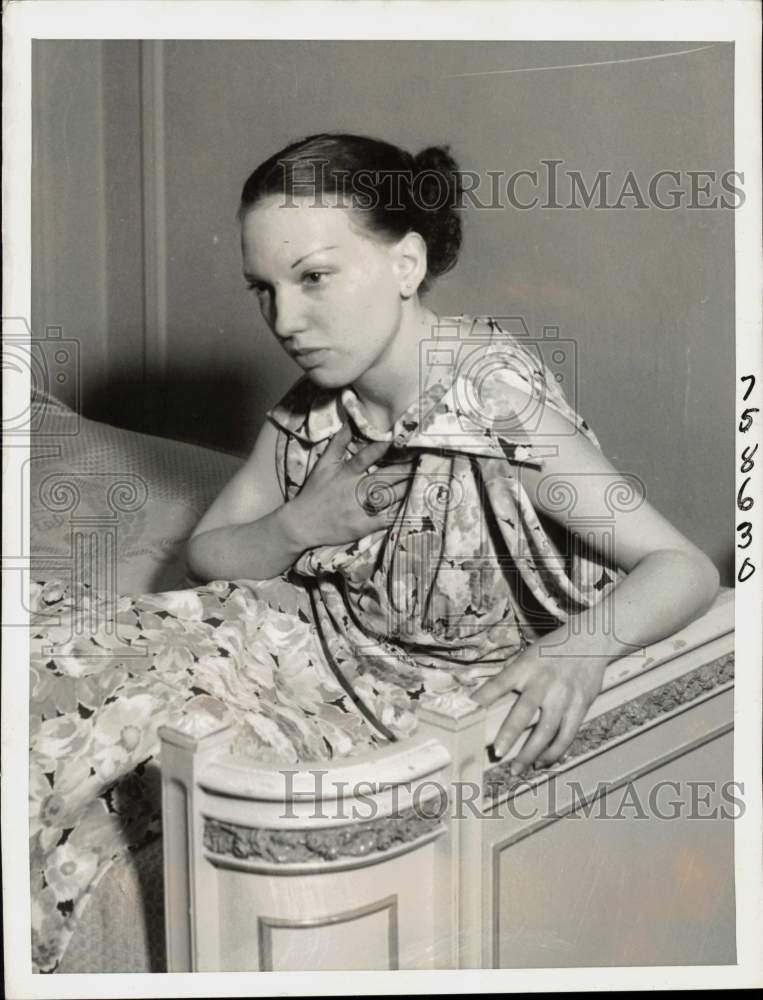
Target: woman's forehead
(278, 227)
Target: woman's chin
(327, 378)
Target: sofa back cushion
(134, 498)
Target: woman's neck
(388, 389)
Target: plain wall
(141, 150)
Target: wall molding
(69, 281)
(153, 179)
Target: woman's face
(328, 290)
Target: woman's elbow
(713, 580)
(196, 550)
(701, 578)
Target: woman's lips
(310, 356)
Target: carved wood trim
(620, 721)
(328, 844)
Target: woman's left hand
(562, 687)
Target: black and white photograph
(382, 562)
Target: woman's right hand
(341, 500)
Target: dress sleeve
(524, 369)
(562, 577)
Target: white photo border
(736, 21)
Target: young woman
(390, 541)
(341, 288)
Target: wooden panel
(615, 888)
(362, 938)
(306, 922)
(177, 874)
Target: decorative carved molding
(621, 720)
(357, 840)
(377, 836)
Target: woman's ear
(410, 263)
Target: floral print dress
(327, 660)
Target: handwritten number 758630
(746, 503)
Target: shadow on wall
(212, 408)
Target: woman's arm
(250, 533)
(669, 582)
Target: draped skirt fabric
(105, 678)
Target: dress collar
(462, 405)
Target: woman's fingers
(567, 732)
(508, 680)
(541, 736)
(515, 723)
(337, 444)
(368, 456)
(383, 496)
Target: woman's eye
(314, 278)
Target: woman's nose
(287, 314)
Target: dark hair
(395, 192)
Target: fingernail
(515, 768)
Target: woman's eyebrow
(251, 276)
(306, 255)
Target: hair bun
(330, 163)
(435, 200)
(435, 158)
